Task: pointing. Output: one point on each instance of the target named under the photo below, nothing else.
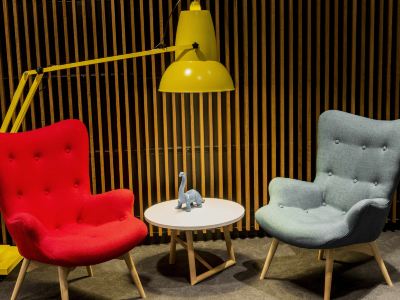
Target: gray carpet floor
(294, 274)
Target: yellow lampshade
(196, 70)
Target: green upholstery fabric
(358, 165)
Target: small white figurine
(191, 196)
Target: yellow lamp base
(9, 258)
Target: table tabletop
(213, 213)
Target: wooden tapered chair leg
(328, 273)
(381, 263)
(320, 254)
(89, 271)
(134, 274)
(20, 279)
(62, 277)
(270, 255)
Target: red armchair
(48, 208)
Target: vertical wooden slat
(18, 53)
(246, 112)
(211, 144)
(291, 84)
(309, 111)
(210, 178)
(397, 82)
(256, 195)
(28, 57)
(282, 118)
(362, 57)
(67, 58)
(174, 113)
(2, 92)
(264, 113)
(238, 170)
(155, 108)
(389, 58)
(89, 98)
(98, 98)
(201, 129)
(353, 57)
(126, 98)
(327, 50)
(77, 70)
(38, 61)
(108, 98)
(344, 52)
(48, 60)
(137, 115)
(8, 49)
(228, 104)
(300, 93)
(318, 63)
(219, 111)
(57, 55)
(164, 108)
(117, 98)
(371, 61)
(193, 136)
(335, 56)
(380, 59)
(146, 115)
(273, 92)
(388, 85)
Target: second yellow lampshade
(196, 70)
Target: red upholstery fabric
(47, 205)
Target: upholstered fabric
(47, 204)
(358, 163)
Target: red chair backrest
(45, 172)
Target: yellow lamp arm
(38, 73)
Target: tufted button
(37, 156)
(79, 221)
(355, 180)
(384, 148)
(364, 147)
(306, 211)
(46, 191)
(11, 157)
(76, 183)
(336, 141)
(343, 212)
(68, 149)
(19, 193)
(329, 173)
(122, 218)
(323, 203)
(280, 205)
(376, 183)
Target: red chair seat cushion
(83, 244)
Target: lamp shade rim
(196, 77)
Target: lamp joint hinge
(39, 70)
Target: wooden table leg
(228, 242)
(191, 257)
(172, 247)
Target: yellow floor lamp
(196, 69)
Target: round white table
(214, 213)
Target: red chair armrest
(107, 207)
(27, 231)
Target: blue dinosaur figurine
(190, 197)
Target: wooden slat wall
(290, 60)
